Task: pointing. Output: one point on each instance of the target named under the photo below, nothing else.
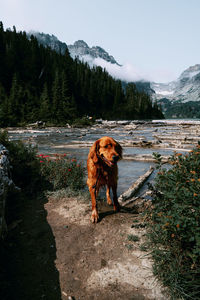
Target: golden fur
(102, 170)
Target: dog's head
(106, 149)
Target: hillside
(37, 83)
(79, 49)
(93, 56)
(180, 98)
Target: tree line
(178, 109)
(37, 83)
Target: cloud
(127, 72)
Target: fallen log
(145, 157)
(129, 201)
(141, 197)
(135, 187)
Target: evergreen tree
(44, 110)
(56, 109)
(15, 103)
(2, 54)
(118, 99)
(69, 108)
(38, 83)
(3, 107)
(131, 104)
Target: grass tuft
(133, 238)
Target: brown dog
(102, 170)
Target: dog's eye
(109, 145)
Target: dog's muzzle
(108, 162)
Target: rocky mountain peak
(80, 43)
(49, 40)
(185, 89)
(190, 72)
(81, 49)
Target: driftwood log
(145, 157)
(134, 188)
(138, 200)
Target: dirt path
(98, 261)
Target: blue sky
(157, 39)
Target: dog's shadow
(106, 210)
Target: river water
(75, 142)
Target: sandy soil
(98, 261)
(53, 252)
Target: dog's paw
(109, 201)
(94, 217)
(117, 207)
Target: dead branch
(135, 187)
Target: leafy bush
(25, 166)
(61, 172)
(174, 229)
(35, 175)
(32, 172)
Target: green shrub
(25, 169)
(32, 172)
(61, 172)
(34, 175)
(174, 228)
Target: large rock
(6, 185)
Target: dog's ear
(93, 154)
(119, 150)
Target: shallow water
(64, 140)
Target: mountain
(79, 49)
(145, 87)
(37, 83)
(48, 40)
(185, 89)
(94, 56)
(180, 98)
(83, 51)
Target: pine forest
(37, 83)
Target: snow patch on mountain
(185, 88)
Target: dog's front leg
(115, 200)
(93, 192)
(109, 201)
